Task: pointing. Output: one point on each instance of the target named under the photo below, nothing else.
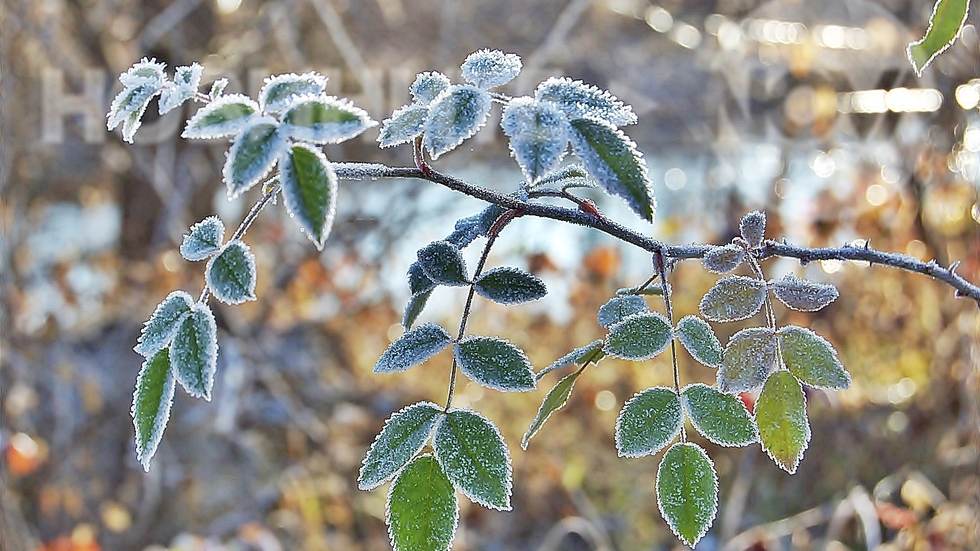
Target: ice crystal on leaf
(455, 115)
(280, 90)
(639, 337)
(721, 260)
(490, 68)
(812, 359)
(218, 88)
(474, 457)
(648, 422)
(748, 360)
(204, 239)
(413, 348)
(128, 106)
(443, 263)
(427, 86)
(721, 418)
(405, 124)
(253, 153)
(733, 298)
(324, 119)
(804, 295)
(553, 401)
(184, 86)
(687, 491)
(495, 363)
(590, 353)
(222, 118)
(577, 99)
(231, 274)
(422, 512)
(403, 436)
(780, 414)
(619, 308)
(160, 329)
(538, 134)
(194, 352)
(309, 188)
(145, 71)
(753, 228)
(507, 285)
(700, 340)
(152, 400)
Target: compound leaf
(490, 68)
(152, 400)
(733, 298)
(280, 90)
(194, 352)
(802, 294)
(427, 86)
(204, 239)
(687, 491)
(474, 457)
(748, 360)
(160, 329)
(223, 117)
(812, 359)
(721, 418)
(639, 337)
(577, 100)
(252, 155)
(753, 228)
(590, 353)
(455, 115)
(553, 401)
(405, 124)
(495, 363)
(422, 512)
(721, 260)
(538, 134)
(648, 422)
(620, 308)
(700, 340)
(231, 273)
(443, 264)
(948, 17)
(403, 436)
(309, 187)
(413, 348)
(780, 414)
(507, 285)
(324, 119)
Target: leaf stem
(660, 263)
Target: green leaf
(803, 295)
(151, 405)
(417, 280)
(454, 116)
(577, 99)
(403, 436)
(413, 348)
(443, 263)
(733, 298)
(721, 418)
(538, 134)
(405, 124)
(414, 308)
(194, 352)
(700, 340)
(495, 363)
(280, 90)
(590, 353)
(812, 359)
(130, 104)
(687, 491)
(613, 160)
(780, 414)
(553, 401)
(160, 329)
(948, 17)
(252, 155)
(509, 286)
(222, 118)
(231, 273)
(422, 512)
(620, 308)
(324, 120)
(648, 422)
(639, 337)
(474, 457)
(309, 187)
(748, 360)
(204, 239)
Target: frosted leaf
(753, 228)
(152, 400)
(253, 153)
(567, 177)
(404, 125)
(490, 68)
(780, 413)
(733, 298)
(280, 90)
(414, 308)
(218, 88)
(324, 119)
(721, 260)
(614, 162)
(422, 512)
(413, 348)
(577, 99)
(804, 295)
(204, 239)
(428, 86)
(221, 118)
(128, 106)
(403, 436)
(145, 71)
(641, 290)
(700, 340)
(748, 360)
(443, 264)
(417, 280)
(812, 359)
(687, 491)
(160, 329)
(945, 24)
(648, 422)
(638, 337)
(309, 188)
(455, 115)
(620, 308)
(509, 286)
(538, 134)
(184, 86)
(721, 418)
(495, 363)
(358, 171)
(474, 457)
(230, 275)
(553, 401)
(584, 355)
(194, 352)
(465, 231)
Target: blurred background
(808, 110)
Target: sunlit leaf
(280, 90)
(160, 329)
(253, 153)
(151, 405)
(309, 187)
(721, 260)
(455, 115)
(812, 359)
(129, 105)
(748, 360)
(405, 124)
(414, 307)
(495, 363)
(804, 295)
(194, 352)
(577, 99)
(221, 118)
(403, 436)
(218, 88)
(231, 273)
(687, 491)
(443, 264)
(507, 285)
(490, 68)
(422, 512)
(780, 414)
(639, 337)
(619, 308)
(413, 348)
(721, 418)
(948, 17)
(733, 298)
(566, 177)
(144, 71)
(648, 422)
(427, 86)
(538, 134)
(324, 119)
(553, 401)
(204, 239)
(700, 340)
(753, 228)
(590, 353)
(474, 457)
